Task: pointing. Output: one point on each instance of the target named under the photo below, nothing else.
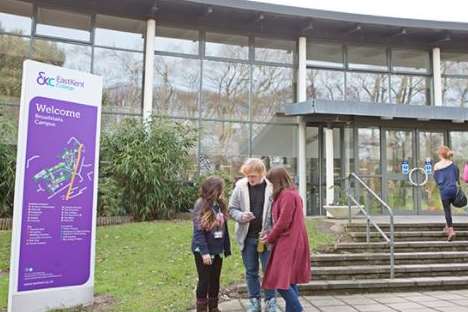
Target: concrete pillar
(437, 77)
(329, 166)
(149, 69)
(301, 135)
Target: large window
(63, 24)
(363, 74)
(15, 17)
(73, 56)
(177, 40)
(227, 46)
(454, 79)
(275, 51)
(117, 32)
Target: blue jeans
(291, 297)
(251, 257)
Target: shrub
(8, 135)
(149, 164)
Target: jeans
(251, 258)
(208, 277)
(291, 297)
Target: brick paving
(429, 301)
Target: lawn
(149, 266)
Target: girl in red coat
(289, 262)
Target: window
(453, 63)
(325, 84)
(62, 24)
(117, 32)
(227, 46)
(408, 89)
(122, 74)
(176, 86)
(225, 93)
(367, 58)
(411, 61)
(15, 17)
(177, 40)
(367, 87)
(325, 55)
(276, 51)
(73, 56)
(454, 78)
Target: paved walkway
(434, 301)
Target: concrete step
(383, 271)
(407, 227)
(327, 260)
(335, 287)
(408, 236)
(414, 246)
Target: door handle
(410, 177)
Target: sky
(441, 10)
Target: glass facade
(454, 78)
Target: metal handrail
(390, 240)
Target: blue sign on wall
(428, 166)
(405, 167)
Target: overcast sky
(443, 10)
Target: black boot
(202, 305)
(213, 305)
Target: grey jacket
(240, 202)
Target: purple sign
(57, 211)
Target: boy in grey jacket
(250, 207)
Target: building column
(329, 166)
(149, 69)
(437, 77)
(301, 134)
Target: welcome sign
(53, 240)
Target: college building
(322, 93)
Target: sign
(428, 166)
(53, 239)
(405, 167)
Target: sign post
(54, 220)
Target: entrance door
(409, 155)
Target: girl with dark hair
(210, 242)
(289, 262)
(447, 176)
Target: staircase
(424, 260)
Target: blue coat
(204, 241)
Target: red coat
(290, 257)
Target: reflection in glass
(9, 115)
(325, 84)
(176, 86)
(400, 196)
(63, 24)
(367, 87)
(13, 51)
(454, 63)
(454, 91)
(224, 147)
(228, 46)
(265, 138)
(413, 90)
(177, 40)
(225, 90)
(117, 32)
(399, 148)
(413, 61)
(369, 151)
(110, 122)
(313, 171)
(277, 51)
(272, 87)
(15, 17)
(68, 55)
(325, 55)
(122, 74)
(460, 148)
(367, 58)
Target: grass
(149, 266)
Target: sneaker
(254, 305)
(270, 305)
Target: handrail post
(392, 247)
(348, 191)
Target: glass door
(399, 158)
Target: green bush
(7, 163)
(148, 165)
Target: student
(250, 207)
(289, 263)
(447, 176)
(210, 242)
